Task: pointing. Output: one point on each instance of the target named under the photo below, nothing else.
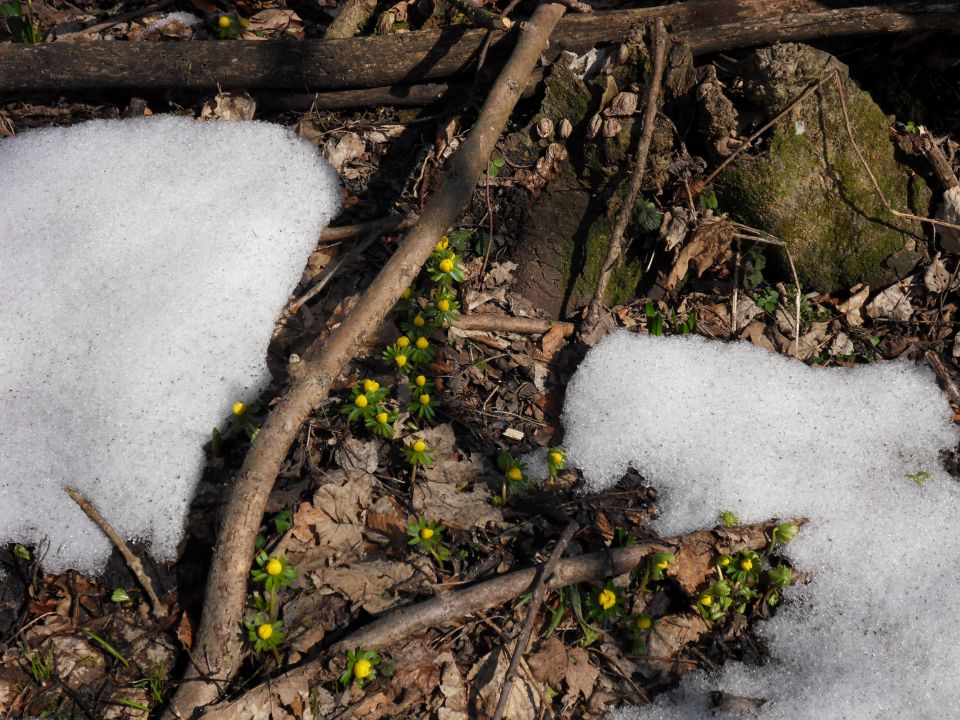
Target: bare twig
(328, 274)
(392, 223)
(539, 592)
(219, 642)
(133, 562)
(491, 322)
(943, 375)
(117, 19)
(639, 167)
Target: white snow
(185, 18)
(731, 426)
(142, 266)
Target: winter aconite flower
(423, 406)
(381, 423)
(445, 306)
(273, 572)
(361, 667)
(644, 622)
(224, 22)
(399, 356)
(264, 634)
(239, 408)
(442, 244)
(361, 401)
(556, 459)
(417, 454)
(403, 341)
(422, 353)
(605, 604)
(428, 535)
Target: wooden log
(429, 55)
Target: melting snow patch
(143, 265)
(715, 425)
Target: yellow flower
(360, 401)
(225, 22)
(424, 399)
(400, 360)
(644, 622)
(418, 321)
(426, 533)
(265, 631)
(443, 305)
(443, 244)
(370, 386)
(420, 380)
(556, 458)
(362, 670)
(419, 446)
(706, 600)
(422, 343)
(515, 474)
(746, 564)
(723, 561)
(382, 418)
(403, 341)
(446, 266)
(274, 567)
(607, 599)
(244, 23)
(239, 408)
(407, 294)
(663, 564)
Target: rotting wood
(429, 55)
(220, 646)
(444, 608)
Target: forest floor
(346, 513)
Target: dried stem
(133, 562)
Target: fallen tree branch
(659, 43)
(428, 55)
(444, 608)
(491, 322)
(219, 647)
(133, 562)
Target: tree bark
(426, 55)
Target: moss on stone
(810, 190)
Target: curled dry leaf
(564, 129)
(594, 127)
(937, 277)
(611, 127)
(544, 127)
(709, 245)
(891, 304)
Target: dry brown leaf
(486, 681)
(669, 635)
(272, 20)
(552, 341)
(549, 663)
(580, 676)
(891, 304)
(335, 515)
(230, 107)
(356, 455)
(458, 509)
(709, 245)
(370, 585)
(347, 148)
(851, 308)
(500, 273)
(754, 332)
(937, 277)
(451, 685)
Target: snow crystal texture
(731, 426)
(142, 266)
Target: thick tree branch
(220, 647)
(428, 55)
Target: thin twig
(495, 322)
(133, 562)
(639, 167)
(539, 592)
(383, 225)
(117, 19)
(944, 376)
(486, 252)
